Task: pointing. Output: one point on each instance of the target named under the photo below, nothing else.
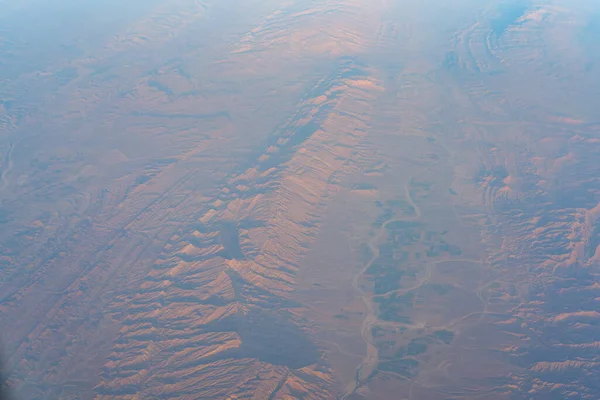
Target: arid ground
(300, 199)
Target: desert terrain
(271, 199)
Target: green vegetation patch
(383, 218)
(385, 277)
(444, 335)
(377, 331)
(385, 271)
(402, 205)
(405, 367)
(439, 288)
(392, 307)
(414, 348)
(437, 249)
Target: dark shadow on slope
(269, 337)
(229, 237)
(508, 15)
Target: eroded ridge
(537, 183)
(174, 256)
(214, 308)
